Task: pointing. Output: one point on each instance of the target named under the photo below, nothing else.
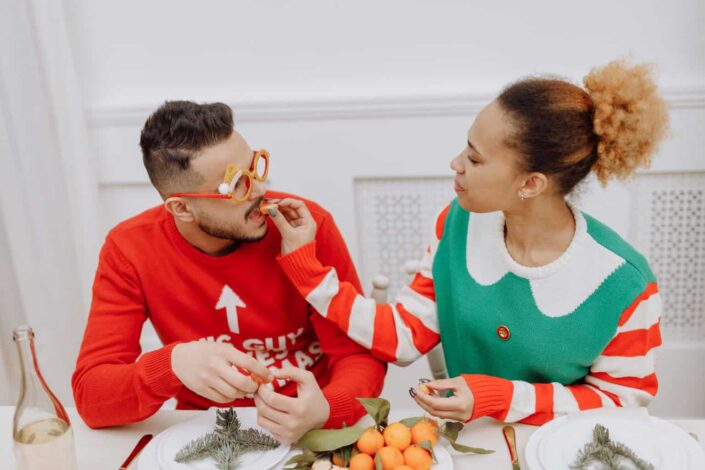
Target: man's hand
(458, 407)
(289, 418)
(209, 369)
(296, 224)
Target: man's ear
(534, 185)
(179, 208)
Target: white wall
(135, 52)
(365, 88)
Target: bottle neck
(33, 388)
(25, 349)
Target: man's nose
(258, 189)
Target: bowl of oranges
(406, 444)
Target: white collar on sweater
(559, 287)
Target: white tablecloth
(107, 448)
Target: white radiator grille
(395, 218)
(668, 227)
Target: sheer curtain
(48, 194)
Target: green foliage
(227, 442)
(450, 431)
(324, 440)
(378, 409)
(611, 454)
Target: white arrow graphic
(230, 301)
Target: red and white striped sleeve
(622, 375)
(400, 332)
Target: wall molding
(369, 107)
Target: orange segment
(259, 379)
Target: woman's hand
(458, 407)
(295, 223)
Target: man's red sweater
(147, 270)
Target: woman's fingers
(295, 223)
(436, 402)
(294, 209)
(439, 413)
(442, 384)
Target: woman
(540, 308)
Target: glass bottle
(41, 429)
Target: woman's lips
(458, 188)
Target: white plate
(148, 457)
(160, 453)
(666, 446)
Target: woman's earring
(521, 195)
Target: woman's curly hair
(630, 118)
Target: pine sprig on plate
(226, 442)
(612, 454)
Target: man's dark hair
(174, 134)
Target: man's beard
(230, 231)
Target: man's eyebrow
(473, 148)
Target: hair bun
(630, 118)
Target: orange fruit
(362, 462)
(425, 389)
(418, 458)
(403, 467)
(397, 435)
(391, 457)
(424, 430)
(370, 442)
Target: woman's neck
(539, 231)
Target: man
(202, 268)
